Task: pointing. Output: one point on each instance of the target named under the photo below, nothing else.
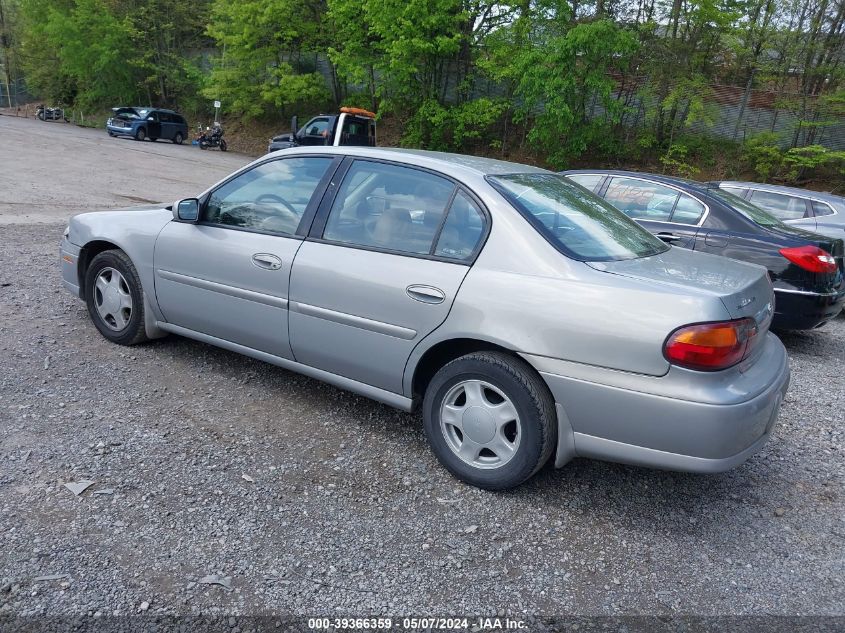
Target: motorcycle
(212, 137)
(50, 114)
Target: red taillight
(811, 258)
(711, 346)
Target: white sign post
(216, 110)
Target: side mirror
(187, 210)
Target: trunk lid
(743, 288)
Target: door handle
(267, 261)
(669, 237)
(426, 294)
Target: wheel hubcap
(113, 299)
(480, 424)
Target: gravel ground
(310, 500)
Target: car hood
(744, 288)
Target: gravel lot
(311, 500)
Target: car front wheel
(490, 420)
(115, 299)
(141, 134)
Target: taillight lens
(711, 346)
(811, 258)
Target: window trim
(662, 184)
(318, 226)
(310, 211)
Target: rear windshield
(749, 210)
(579, 224)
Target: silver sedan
(528, 320)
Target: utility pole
(6, 44)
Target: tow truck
(352, 126)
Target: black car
(148, 123)
(806, 269)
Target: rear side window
(820, 208)
(165, 117)
(781, 206)
(358, 132)
(579, 224)
(389, 207)
(640, 199)
(588, 181)
(462, 231)
(688, 210)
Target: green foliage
(448, 128)
(96, 53)
(763, 154)
(675, 162)
(267, 60)
(560, 103)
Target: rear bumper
(725, 420)
(798, 310)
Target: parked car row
(527, 317)
(806, 269)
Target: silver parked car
(524, 315)
(812, 210)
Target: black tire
(140, 134)
(134, 331)
(223, 146)
(110, 133)
(203, 145)
(177, 140)
(529, 395)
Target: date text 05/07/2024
(493, 624)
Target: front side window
(578, 223)
(779, 205)
(588, 181)
(640, 199)
(271, 197)
(317, 127)
(388, 207)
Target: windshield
(750, 211)
(576, 222)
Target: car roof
(440, 161)
(683, 183)
(796, 191)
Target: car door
(669, 213)
(166, 120)
(227, 275)
(153, 125)
(380, 269)
(793, 210)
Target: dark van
(148, 123)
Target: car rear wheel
(490, 420)
(178, 138)
(141, 134)
(115, 299)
